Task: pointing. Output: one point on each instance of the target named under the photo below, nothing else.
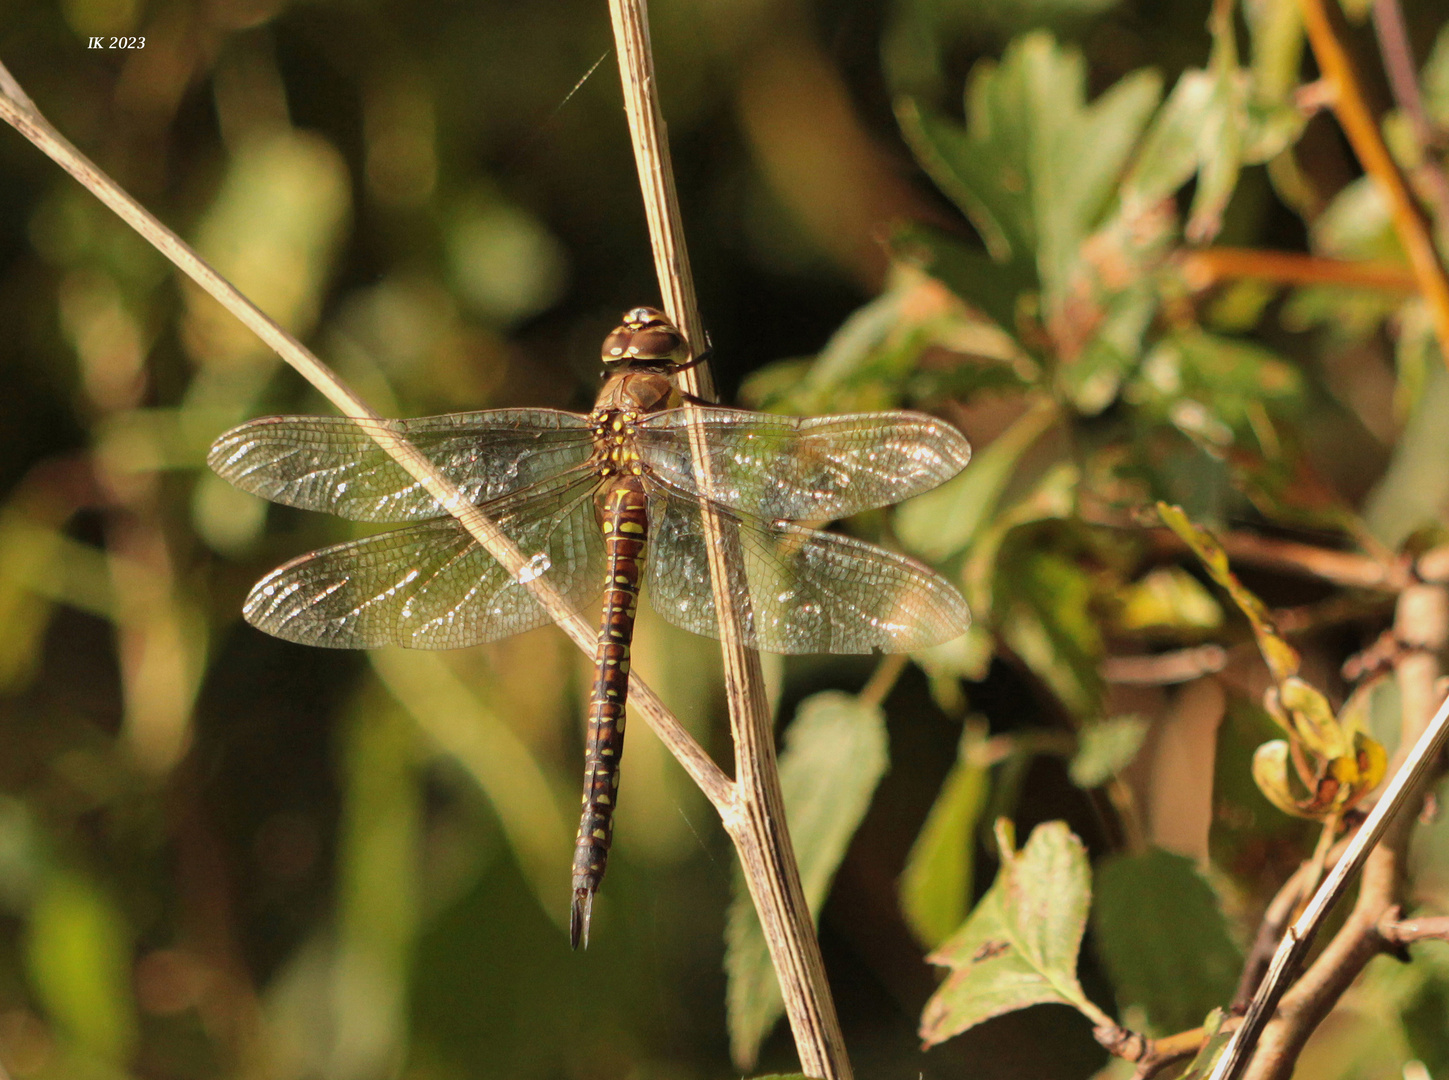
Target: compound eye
(645, 339)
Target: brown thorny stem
(754, 814)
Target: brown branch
(1398, 57)
(1270, 930)
(1344, 568)
(1165, 669)
(1398, 933)
(1422, 619)
(1152, 1056)
(754, 817)
(1202, 268)
(1362, 129)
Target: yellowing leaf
(1282, 658)
(1020, 945)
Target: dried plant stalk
(755, 818)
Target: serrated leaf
(1211, 126)
(1035, 167)
(1020, 945)
(1161, 933)
(835, 754)
(1106, 748)
(942, 522)
(936, 884)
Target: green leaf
(1106, 749)
(1167, 598)
(1212, 126)
(835, 755)
(942, 522)
(1020, 945)
(970, 273)
(936, 884)
(1035, 168)
(1414, 488)
(1161, 934)
(1219, 391)
(1050, 623)
(78, 951)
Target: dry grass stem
(755, 818)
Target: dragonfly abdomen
(624, 519)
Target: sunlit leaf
(936, 885)
(1020, 945)
(78, 951)
(1168, 598)
(835, 754)
(1211, 126)
(1162, 935)
(1106, 748)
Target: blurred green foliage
(224, 856)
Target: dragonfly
(604, 502)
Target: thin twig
(1401, 932)
(17, 110)
(1165, 669)
(755, 818)
(1344, 568)
(1398, 57)
(1203, 268)
(1277, 916)
(1362, 129)
(1152, 1056)
(1421, 619)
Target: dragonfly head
(645, 341)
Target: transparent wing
(431, 586)
(330, 462)
(799, 590)
(816, 468)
